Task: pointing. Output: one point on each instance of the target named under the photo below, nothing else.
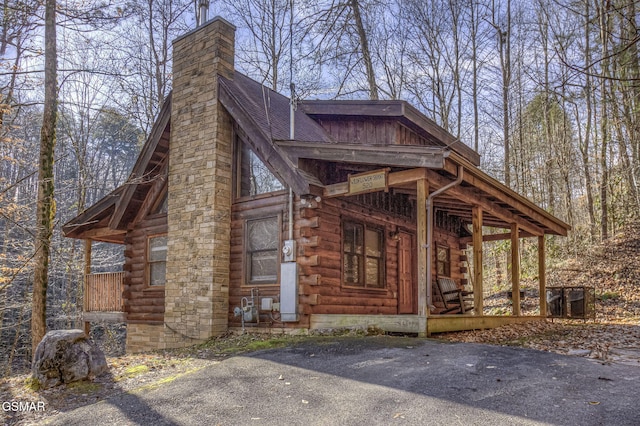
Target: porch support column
(542, 276)
(515, 268)
(87, 271)
(423, 295)
(477, 259)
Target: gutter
(429, 207)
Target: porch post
(87, 271)
(423, 192)
(477, 259)
(542, 276)
(515, 268)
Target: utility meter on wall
(289, 251)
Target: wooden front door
(407, 291)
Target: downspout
(289, 266)
(292, 136)
(429, 206)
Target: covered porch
(440, 180)
(102, 292)
(103, 297)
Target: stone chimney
(199, 204)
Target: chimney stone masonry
(200, 182)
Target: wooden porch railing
(103, 292)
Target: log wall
(317, 231)
(142, 303)
(320, 259)
(242, 210)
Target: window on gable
(157, 260)
(362, 255)
(443, 261)
(253, 176)
(262, 242)
(161, 206)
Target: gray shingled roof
(270, 111)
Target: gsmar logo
(23, 406)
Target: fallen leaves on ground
(613, 268)
(605, 342)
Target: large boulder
(65, 356)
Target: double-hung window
(362, 255)
(262, 242)
(157, 260)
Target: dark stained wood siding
(317, 231)
(241, 211)
(320, 256)
(367, 131)
(407, 136)
(142, 303)
(372, 131)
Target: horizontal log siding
(143, 304)
(243, 209)
(323, 279)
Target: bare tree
(391, 49)
(502, 25)
(437, 59)
(474, 24)
(45, 210)
(364, 47)
(604, 22)
(142, 61)
(266, 51)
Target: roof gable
(107, 220)
(262, 114)
(152, 158)
(262, 117)
(270, 110)
(396, 111)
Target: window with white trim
(262, 253)
(157, 260)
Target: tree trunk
(45, 207)
(504, 49)
(634, 78)
(605, 32)
(585, 146)
(474, 91)
(366, 54)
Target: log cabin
(247, 211)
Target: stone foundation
(144, 337)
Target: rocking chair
(454, 299)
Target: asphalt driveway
(382, 381)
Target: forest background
(547, 91)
